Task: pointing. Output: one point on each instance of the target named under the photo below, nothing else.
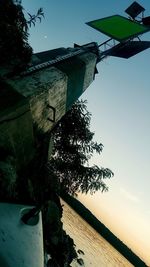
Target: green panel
(118, 27)
(75, 70)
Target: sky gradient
(119, 102)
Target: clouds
(129, 196)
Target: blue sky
(119, 102)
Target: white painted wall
(21, 245)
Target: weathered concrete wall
(74, 68)
(53, 90)
(90, 61)
(16, 128)
(43, 89)
(41, 99)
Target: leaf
(29, 22)
(30, 15)
(39, 18)
(33, 22)
(40, 10)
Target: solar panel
(128, 49)
(134, 9)
(118, 27)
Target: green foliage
(57, 243)
(8, 177)
(73, 148)
(14, 47)
(33, 18)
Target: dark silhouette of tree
(73, 148)
(14, 47)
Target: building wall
(16, 127)
(53, 90)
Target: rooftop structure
(124, 32)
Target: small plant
(33, 18)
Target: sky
(119, 102)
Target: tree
(14, 47)
(73, 148)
